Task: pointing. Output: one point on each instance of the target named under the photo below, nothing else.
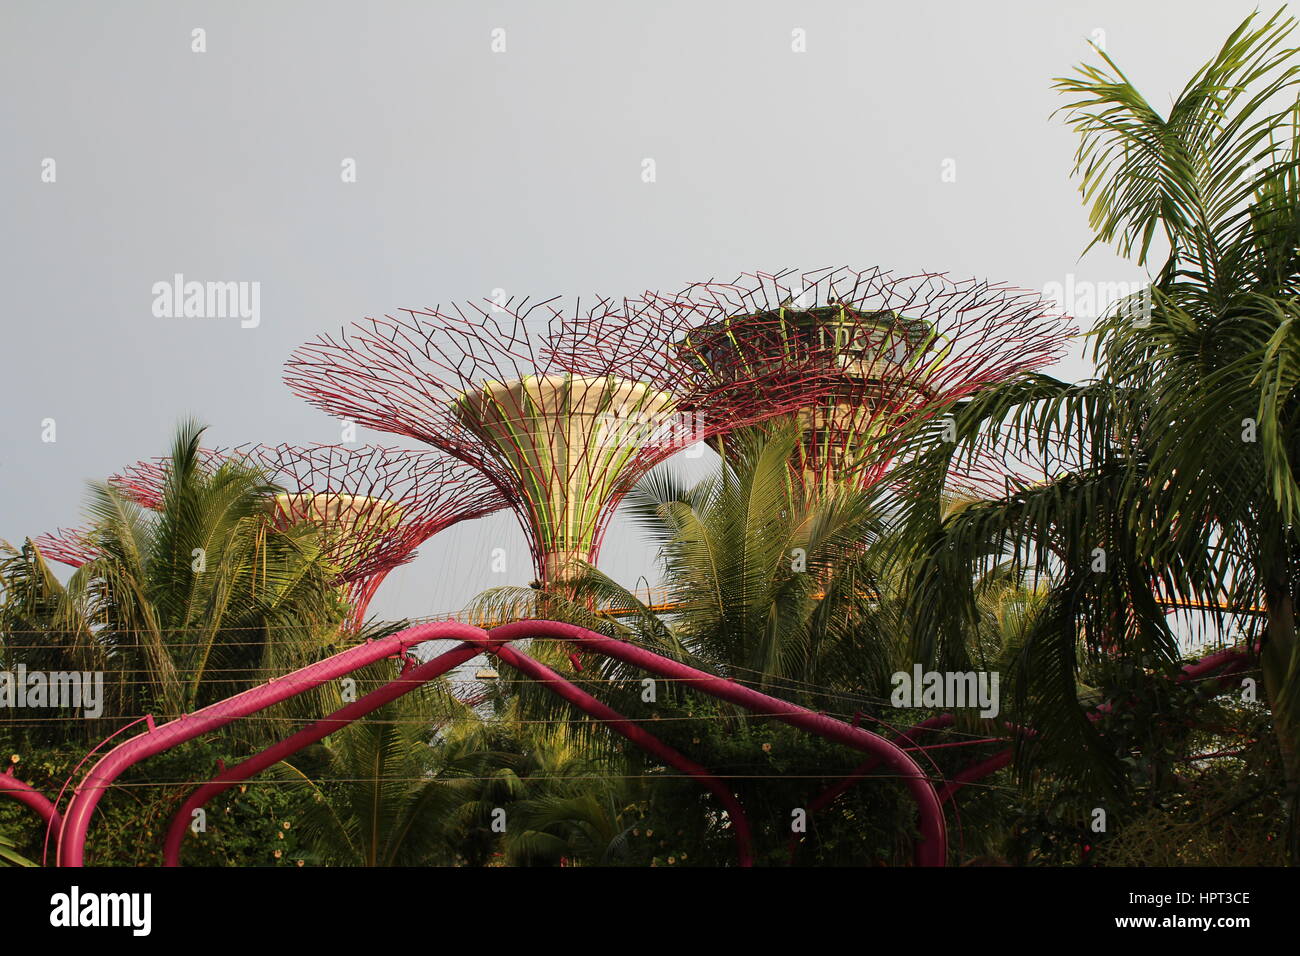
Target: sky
(354, 159)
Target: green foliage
(1156, 464)
(181, 606)
(245, 826)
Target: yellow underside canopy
(350, 525)
(567, 440)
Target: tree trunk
(1275, 659)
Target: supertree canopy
(372, 506)
(560, 435)
(857, 355)
(496, 385)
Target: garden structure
(859, 357)
(498, 386)
(373, 506)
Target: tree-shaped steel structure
(145, 481)
(859, 355)
(373, 506)
(499, 386)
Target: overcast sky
(913, 136)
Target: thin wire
(536, 778)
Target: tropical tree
(773, 581)
(179, 606)
(1171, 474)
(387, 790)
(569, 805)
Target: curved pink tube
(420, 675)
(931, 849)
(1231, 660)
(230, 776)
(31, 798)
(906, 737)
(642, 738)
(828, 796)
(72, 841)
(973, 772)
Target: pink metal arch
(415, 677)
(931, 849)
(1230, 661)
(642, 738)
(76, 821)
(410, 679)
(31, 798)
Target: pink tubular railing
(229, 777)
(1230, 661)
(931, 849)
(639, 736)
(31, 798)
(76, 821)
(422, 674)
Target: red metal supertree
(992, 472)
(498, 386)
(862, 357)
(373, 506)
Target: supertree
(990, 473)
(497, 385)
(372, 506)
(861, 356)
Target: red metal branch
(70, 546)
(372, 506)
(860, 357)
(498, 386)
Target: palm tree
(584, 824)
(577, 807)
(426, 781)
(1173, 472)
(388, 790)
(180, 606)
(767, 582)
